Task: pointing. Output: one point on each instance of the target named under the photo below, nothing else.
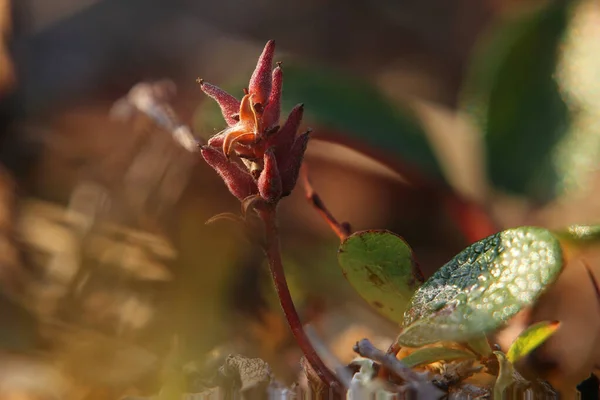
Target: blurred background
(442, 121)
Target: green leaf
(511, 93)
(580, 234)
(429, 355)
(355, 111)
(482, 287)
(530, 339)
(480, 345)
(578, 153)
(380, 267)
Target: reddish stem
(342, 230)
(272, 250)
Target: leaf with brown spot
(380, 267)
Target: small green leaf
(480, 345)
(429, 355)
(505, 377)
(531, 338)
(482, 287)
(580, 234)
(512, 95)
(380, 267)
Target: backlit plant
(472, 295)
(448, 323)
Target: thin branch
(418, 383)
(365, 348)
(272, 250)
(342, 230)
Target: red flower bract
(271, 155)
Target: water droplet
(478, 247)
(521, 283)
(437, 305)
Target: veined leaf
(482, 287)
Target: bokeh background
(438, 120)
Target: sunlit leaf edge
(431, 317)
(531, 338)
(430, 355)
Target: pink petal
(291, 169)
(239, 182)
(217, 140)
(230, 106)
(260, 82)
(284, 138)
(269, 182)
(272, 110)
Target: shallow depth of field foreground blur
(109, 276)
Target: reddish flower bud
(230, 106)
(292, 164)
(272, 156)
(269, 182)
(271, 113)
(284, 138)
(239, 182)
(260, 82)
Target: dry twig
(341, 229)
(418, 383)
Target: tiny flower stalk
(259, 161)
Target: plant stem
(343, 229)
(272, 250)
